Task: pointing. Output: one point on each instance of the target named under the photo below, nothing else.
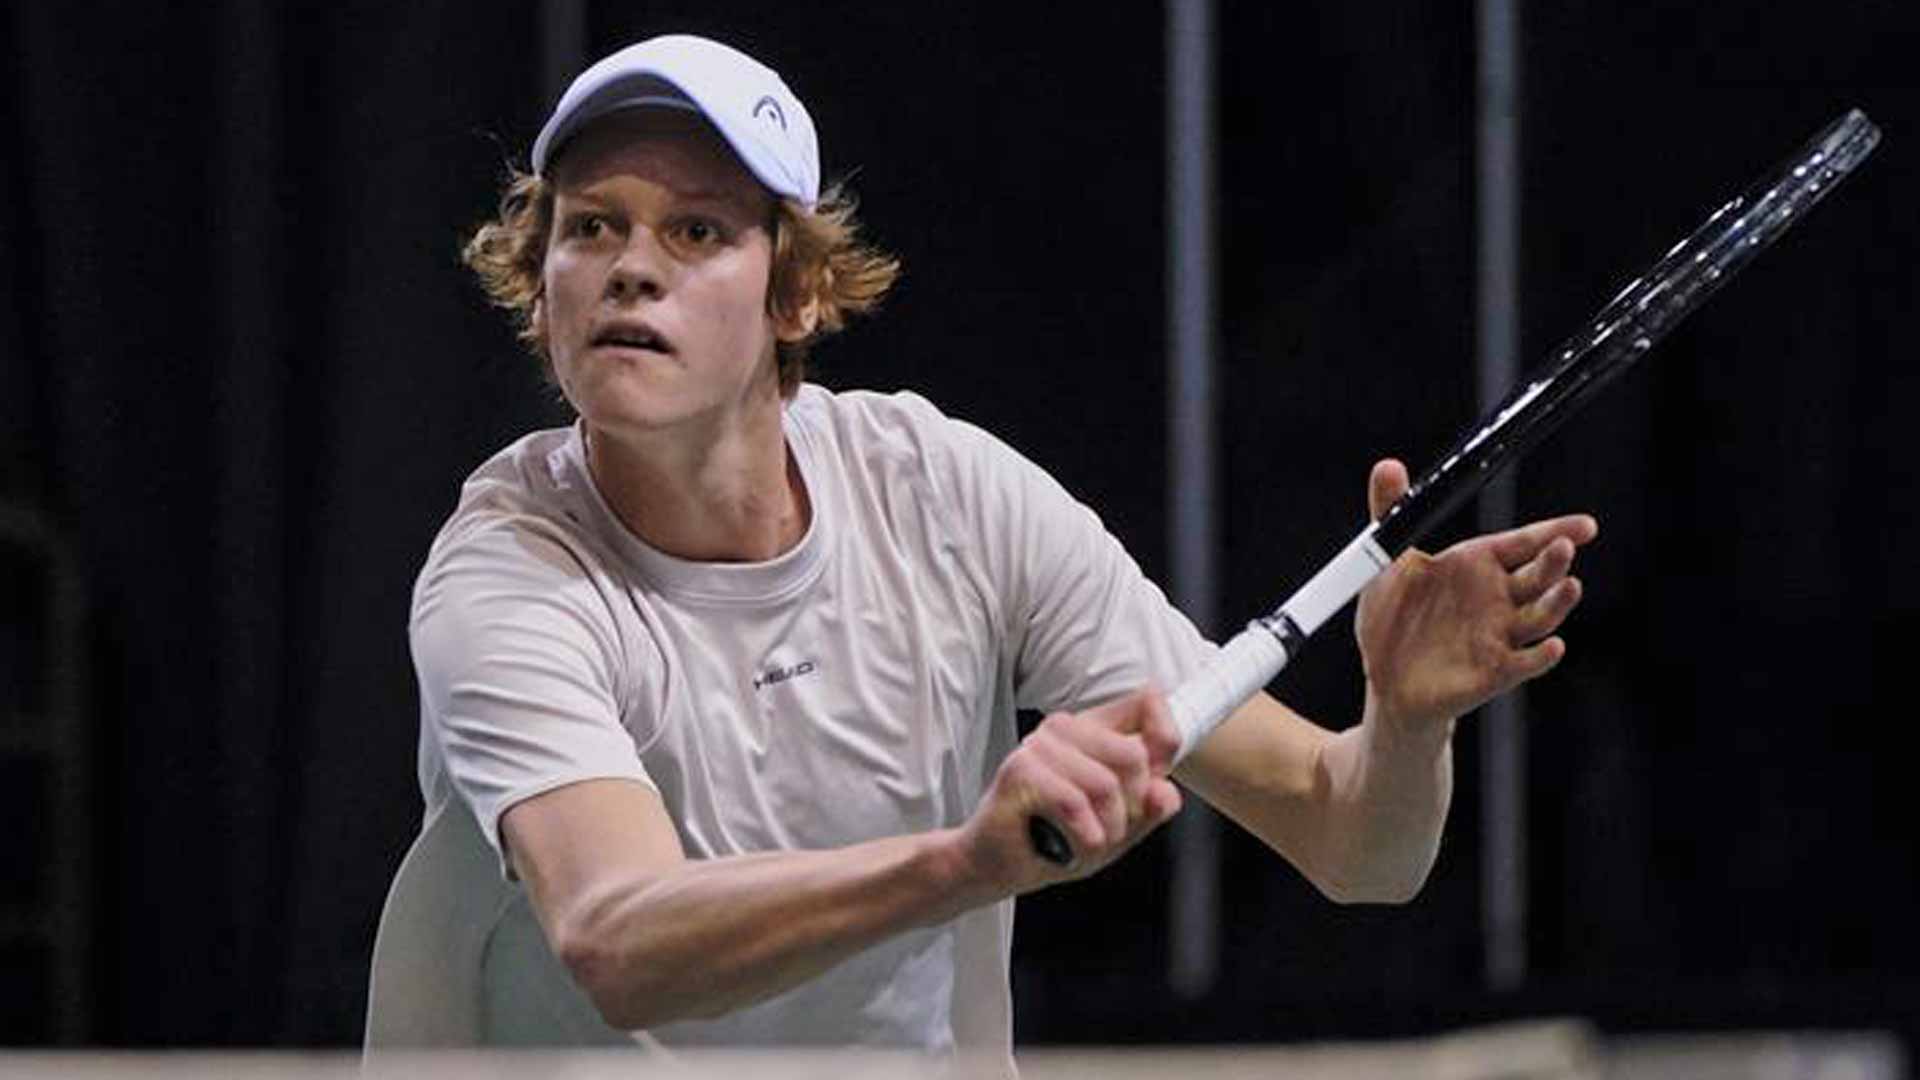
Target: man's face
(655, 285)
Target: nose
(639, 273)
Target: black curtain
(243, 374)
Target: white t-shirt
(861, 685)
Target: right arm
(653, 936)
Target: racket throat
(1322, 597)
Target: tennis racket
(1620, 334)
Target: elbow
(595, 966)
(1383, 891)
(617, 983)
(1374, 875)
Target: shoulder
(516, 606)
(899, 416)
(528, 478)
(901, 432)
(520, 535)
(531, 489)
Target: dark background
(242, 375)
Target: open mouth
(632, 336)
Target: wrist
(946, 857)
(1402, 735)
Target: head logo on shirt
(774, 676)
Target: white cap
(744, 100)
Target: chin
(614, 399)
(633, 418)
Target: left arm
(1357, 813)
(1360, 812)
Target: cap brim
(633, 92)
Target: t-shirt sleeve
(521, 668)
(1083, 623)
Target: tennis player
(725, 673)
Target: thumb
(1146, 714)
(1387, 482)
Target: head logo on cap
(768, 109)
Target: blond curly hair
(819, 260)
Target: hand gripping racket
(1622, 332)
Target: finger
(1145, 714)
(1040, 789)
(1543, 572)
(1542, 617)
(1516, 547)
(1163, 801)
(1067, 807)
(1099, 785)
(1161, 735)
(1534, 661)
(1125, 756)
(1386, 483)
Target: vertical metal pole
(1503, 818)
(251, 508)
(1195, 916)
(563, 47)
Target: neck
(736, 496)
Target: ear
(537, 317)
(800, 325)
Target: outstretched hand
(1441, 634)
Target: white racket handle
(1255, 655)
(1247, 663)
(1242, 667)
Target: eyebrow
(723, 196)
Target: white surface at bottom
(1539, 1049)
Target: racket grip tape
(1238, 671)
(1207, 697)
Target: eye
(701, 232)
(586, 225)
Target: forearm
(710, 936)
(1358, 812)
(1383, 797)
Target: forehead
(671, 147)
